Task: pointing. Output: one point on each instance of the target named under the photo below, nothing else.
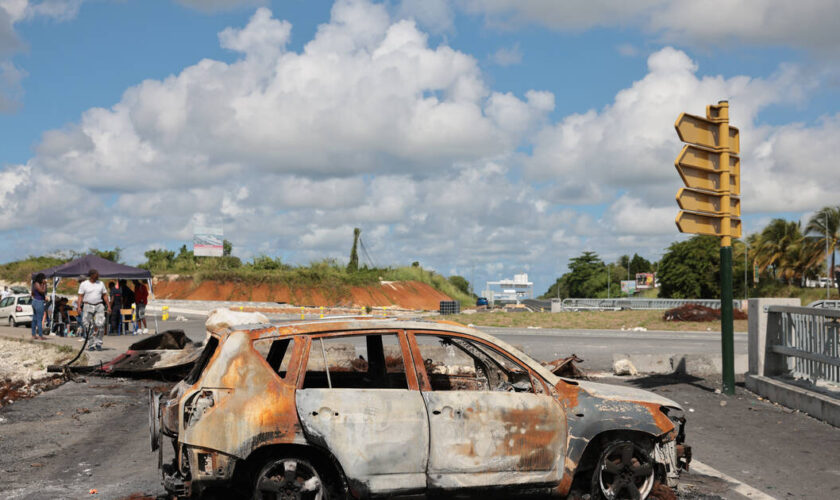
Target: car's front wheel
(12, 322)
(293, 478)
(624, 470)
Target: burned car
(383, 407)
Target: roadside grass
(590, 320)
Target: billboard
(628, 287)
(207, 241)
(645, 281)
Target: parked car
(361, 407)
(16, 310)
(482, 301)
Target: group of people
(93, 305)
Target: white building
(510, 291)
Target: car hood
(620, 393)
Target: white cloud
(507, 56)
(435, 15)
(370, 126)
(216, 5)
(631, 143)
(804, 23)
(12, 12)
(365, 95)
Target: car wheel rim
(289, 479)
(625, 473)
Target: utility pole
(746, 288)
(711, 170)
(829, 270)
(608, 281)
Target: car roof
(365, 323)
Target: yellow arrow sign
(701, 201)
(698, 130)
(708, 224)
(701, 169)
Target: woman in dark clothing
(39, 294)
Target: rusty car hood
(620, 393)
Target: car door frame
(550, 475)
(363, 476)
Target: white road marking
(740, 488)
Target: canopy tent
(80, 267)
(107, 269)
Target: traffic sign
(701, 169)
(701, 201)
(705, 132)
(707, 224)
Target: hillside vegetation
(327, 274)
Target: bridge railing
(635, 304)
(825, 304)
(803, 342)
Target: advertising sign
(207, 241)
(628, 287)
(645, 281)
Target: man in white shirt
(92, 304)
(5, 293)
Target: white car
(16, 310)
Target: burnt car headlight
(683, 452)
(200, 403)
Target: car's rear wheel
(624, 471)
(293, 478)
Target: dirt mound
(403, 294)
(695, 312)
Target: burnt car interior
(355, 362)
(457, 364)
(277, 352)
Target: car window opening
(201, 363)
(456, 364)
(356, 362)
(277, 353)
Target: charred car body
(381, 407)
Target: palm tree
(780, 245)
(825, 225)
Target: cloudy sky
(479, 137)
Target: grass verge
(591, 320)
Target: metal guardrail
(825, 304)
(637, 304)
(808, 339)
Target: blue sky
(494, 137)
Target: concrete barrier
(757, 330)
(698, 365)
(819, 406)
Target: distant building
(509, 291)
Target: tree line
(782, 253)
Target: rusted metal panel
(252, 406)
(472, 432)
(375, 434)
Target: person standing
(5, 293)
(141, 298)
(94, 299)
(127, 302)
(39, 294)
(116, 304)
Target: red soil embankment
(403, 294)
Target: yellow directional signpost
(711, 170)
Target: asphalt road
(596, 347)
(92, 435)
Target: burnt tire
(295, 477)
(624, 471)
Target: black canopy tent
(80, 267)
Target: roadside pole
(727, 335)
(711, 170)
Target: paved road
(596, 347)
(93, 435)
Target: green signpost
(711, 170)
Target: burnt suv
(383, 407)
